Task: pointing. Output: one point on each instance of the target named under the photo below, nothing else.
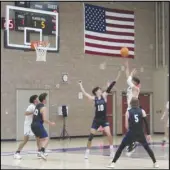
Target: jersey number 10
(100, 107)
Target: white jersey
(130, 93)
(28, 118)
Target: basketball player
(133, 83)
(132, 91)
(100, 99)
(27, 125)
(134, 119)
(39, 117)
(166, 115)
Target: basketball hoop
(41, 49)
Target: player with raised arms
(100, 99)
(133, 90)
(39, 118)
(134, 119)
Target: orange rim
(43, 43)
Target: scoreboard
(27, 19)
(45, 22)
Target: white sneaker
(111, 165)
(39, 154)
(46, 154)
(86, 154)
(17, 156)
(43, 155)
(155, 165)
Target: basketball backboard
(31, 25)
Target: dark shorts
(131, 137)
(97, 123)
(39, 130)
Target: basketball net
(41, 49)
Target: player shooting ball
(133, 90)
(134, 84)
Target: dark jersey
(135, 120)
(37, 116)
(100, 108)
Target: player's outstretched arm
(133, 72)
(44, 112)
(164, 114)
(127, 72)
(84, 92)
(28, 113)
(145, 122)
(129, 80)
(129, 75)
(111, 85)
(118, 76)
(126, 120)
(166, 111)
(127, 69)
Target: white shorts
(28, 131)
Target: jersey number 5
(136, 118)
(36, 112)
(100, 107)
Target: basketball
(124, 51)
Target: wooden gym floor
(70, 155)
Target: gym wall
(21, 71)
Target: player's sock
(111, 147)
(42, 149)
(111, 150)
(42, 153)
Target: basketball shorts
(131, 137)
(28, 131)
(39, 130)
(97, 123)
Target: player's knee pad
(91, 137)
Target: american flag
(106, 31)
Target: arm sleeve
(110, 86)
(129, 81)
(146, 125)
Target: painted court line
(68, 149)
